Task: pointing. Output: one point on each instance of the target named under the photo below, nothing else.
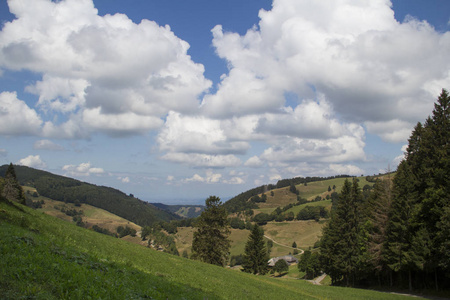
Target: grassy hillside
(46, 258)
(91, 215)
(73, 191)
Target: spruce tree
(211, 242)
(339, 250)
(256, 254)
(379, 204)
(12, 190)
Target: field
(46, 258)
(303, 233)
(91, 215)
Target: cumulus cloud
(32, 161)
(368, 66)
(197, 134)
(47, 145)
(124, 179)
(107, 72)
(83, 169)
(203, 160)
(254, 162)
(16, 117)
(210, 177)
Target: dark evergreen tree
(281, 266)
(256, 254)
(211, 243)
(339, 238)
(309, 263)
(379, 204)
(11, 190)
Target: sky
(173, 101)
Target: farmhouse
(288, 258)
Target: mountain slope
(69, 190)
(46, 258)
(184, 211)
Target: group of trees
(400, 234)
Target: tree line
(70, 190)
(399, 235)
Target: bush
(281, 266)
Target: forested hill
(184, 211)
(241, 202)
(74, 191)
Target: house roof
(290, 259)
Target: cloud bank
(306, 84)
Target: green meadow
(44, 257)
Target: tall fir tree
(11, 190)
(339, 245)
(379, 204)
(211, 243)
(255, 255)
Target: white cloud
(392, 131)
(254, 162)
(210, 177)
(203, 160)
(108, 73)
(3, 152)
(32, 161)
(170, 178)
(47, 145)
(396, 161)
(83, 169)
(124, 179)
(197, 134)
(235, 180)
(369, 67)
(16, 118)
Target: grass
(303, 233)
(46, 258)
(91, 215)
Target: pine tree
(256, 254)
(379, 204)
(211, 243)
(339, 250)
(12, 190)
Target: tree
(309, 263)
(256, 255)
(281, 266)
(340, 249)
(294, 245)
(211, 242)
(12, 190)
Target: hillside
(46, 258)
(242, 201)
(69, 190)
(184, 211)
(89, 215)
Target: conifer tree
(12, 190)
(379, 204)
(211, 242)
(339, 250)
(256, 255)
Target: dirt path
(300, 250)
(318, 280)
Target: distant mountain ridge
(184, 211)
(71, 190)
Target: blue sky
(176, 100)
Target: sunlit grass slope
(43, 257)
